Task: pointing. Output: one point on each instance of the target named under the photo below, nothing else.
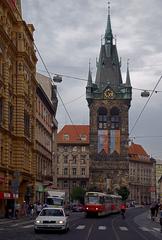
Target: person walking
(160, 217)
(156, 209)
(38, 208)
(123, 210)
(152, 209)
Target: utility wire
(145, 105)
(83, 79)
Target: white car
(52, 219)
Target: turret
(128, 82)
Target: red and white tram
(102, 204)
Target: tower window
(114, 116)
(102, 118)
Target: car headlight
(37, 221)
(61, 222)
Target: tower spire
(108, 32)
(89, 83)
(128, 82)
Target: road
(136, 226)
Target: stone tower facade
(109, 102)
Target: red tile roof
(137, 152)
(73, 134)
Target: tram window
(92, 199)
(102, 200)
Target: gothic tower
(109, 101)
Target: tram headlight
(96, 208)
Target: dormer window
(83, 137)
(66, 137)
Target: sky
(68, 35)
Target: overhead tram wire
(51, 79)
(83, 79)
(57, 91)
(145, 105)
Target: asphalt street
(136, 226)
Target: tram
(100, 204)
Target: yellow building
(17, 107)
(158, 176)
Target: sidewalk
(10, 220)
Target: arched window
(114, 117)
(102, 118)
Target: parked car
(52, 219)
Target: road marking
(80, 227)
(102, 228)
(14, 225)
(27, 226)
(123, 228)
(145, 229)
(157, 229)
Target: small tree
(78, 194)
(123, 192)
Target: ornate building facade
(46, 132)
(158, 176)
(17, 106)
(109, 101)
(73, 157)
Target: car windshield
(52, 212)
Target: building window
(102, 118)
(83, 148)
(74, 171)
(75, 149)
(10, 117)
(66, 137)
(65, 159)
(65, 184)
(26, 124)
(65, 149)
(1, 110)
(65, 171)
(82, 171)
(114, 117)
(74, 160)
(83, 184)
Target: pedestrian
(152, 209)
(38, 208)
(160, 217)
(123, 210)
(156, 209)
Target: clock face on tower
(108, 93)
